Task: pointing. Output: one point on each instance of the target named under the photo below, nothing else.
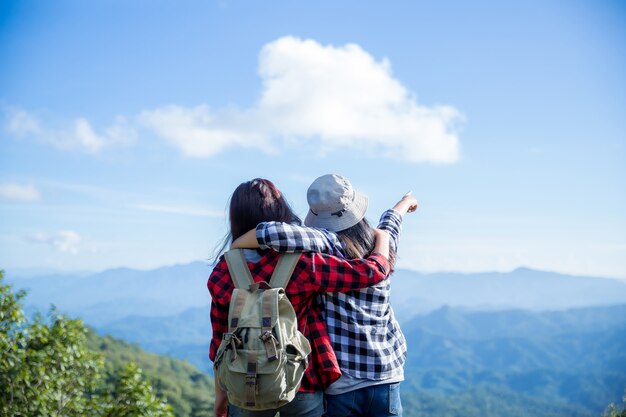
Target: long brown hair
(257, 201)
(358, 241)
(254, 202)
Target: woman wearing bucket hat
(315, 273)
(365, 335)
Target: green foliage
(586, 392)
(57, 373)
(483, 400)
(47, 369)
(11, 338)
(134, 397)
(614, 411)
(567, 371)
(189, 391)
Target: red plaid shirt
(315, 273)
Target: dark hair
(257, 201)
(254, 202)
(358, 241)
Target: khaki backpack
(261, 360)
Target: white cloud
(21, 123)
(81, 135)
(315, 99)
(85, 137)
(325, 97)
(65, 241)
(197, 132)
(17, 192)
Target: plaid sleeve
(220, 287)
(333, 274)
(391, 221)
(284, 237)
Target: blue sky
(126, 126)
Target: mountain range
(523, 343)
(105, 297)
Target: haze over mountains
(543, 343)
(522, 288)
(113, 294)
(116, 293)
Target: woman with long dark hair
(258, 201)
(365, 335)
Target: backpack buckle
(234, 342)
(269, 340)
(250, 379)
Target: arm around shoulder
(285, 237)
(334, 274)
(246, 241)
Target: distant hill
(520, 344)
(190, 392)
(513, 362)
(575, 351)
(448, 337)
(580, 369)
(465, 324)
(166, 310)
(117, 293)
(528, 289)
(184, 336)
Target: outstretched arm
(391, 220)
(408, 204)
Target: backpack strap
(238, 301)
(280, 277)
(238, 268)
(284, 269)
(242, 278)
(267, 336)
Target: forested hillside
(461, 362)
(516, 363)
(189, 391)
(54, 365)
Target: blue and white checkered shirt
(364, 332)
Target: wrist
(402, 207)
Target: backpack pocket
(252, 381)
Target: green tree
(614, 411)
(134, 397)
(12, 354)
(187, 390)
(47, 369)
(57, 374)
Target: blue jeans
(374, 401)
(306, 404)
